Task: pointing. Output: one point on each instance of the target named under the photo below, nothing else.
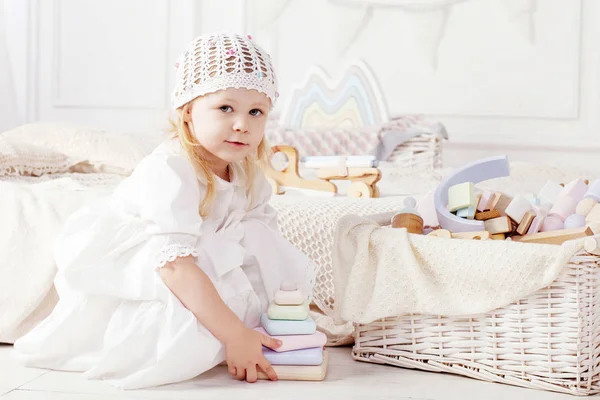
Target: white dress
(116, 320)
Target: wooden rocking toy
(363, 180)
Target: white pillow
(18, 158)
(96, 150)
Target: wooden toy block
(478, 171)
(364, 180)
(517, 208)
(494, 199)
(574, 221)
(443, 233)
(563, 207)
(290, 313)
(592, 245)
(514, 226)
(502, 203)
(593, 191)
(477, 200)
(552, 223)
(536, 224)
(594, 215)
(498, 225)
(483, 235)
(297, 342)
(550, 192)
(300, 372)
(285, 327)
(555, 237)
(585, 206)
(311, 356)
(498, 236)
(485, 215)
(526, 222)
(467, 212)
(426, 209)
(575, 189)
(482, 205)
(288, 298)
(460, 196)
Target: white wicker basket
(548, 341)
(422, 153)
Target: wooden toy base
(300, 372)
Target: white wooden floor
(346, 379)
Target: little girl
(167, 278)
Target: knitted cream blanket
(382, 272)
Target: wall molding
(32, 60)
(58, 102)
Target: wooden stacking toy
(301, 355)
(408, 217)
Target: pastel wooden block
(300, 372)
(483, 235)
(443, 233)
(533, 199)
(555, 237)
(485, 215)
(498, 236)
(594, 215)
(517, 208)
(460, 196)
(592, 245)
(585, 206)
(593, 191)
(498, 225)
(536, 224)
(575, 189)
(563, 207)
(494, 199)
(574, 221)
(467, 212)
(288, 327)
(526, 222)
(552, 223)
(478, 171)
(595, 227)
(426, 209)
(292, 313)
(482, 205)
(297, 342)
(502, 203)
(288, 298)
(477, 200)
(550, 192)
(312, 356)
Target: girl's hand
(244, 353)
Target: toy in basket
(550, 339)
(301, 356)
(555, 214)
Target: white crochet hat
(219, 61)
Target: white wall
(519, 77)
(12, 82)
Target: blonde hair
(252, 165)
